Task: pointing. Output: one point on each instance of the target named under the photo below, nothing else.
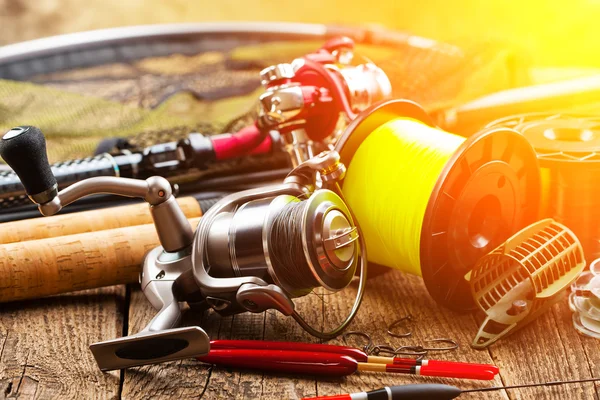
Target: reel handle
(24, 150)
(160, 341)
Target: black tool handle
(24, 150)
(424, 391)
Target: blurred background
(553, 32)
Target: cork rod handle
(62, 264)
(87, 221)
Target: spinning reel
(306, 100)
(253, 251)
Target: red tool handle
(484, 375)
(286, 361)
(447, 364)
(356, 354)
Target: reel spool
(523, 278)
(432, 203)
(252, 251)
(297, 245)
(568, 149)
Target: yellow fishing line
(388, 185)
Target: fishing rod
(572, 95)
(435, 391)
(101, 212)
(171, 160)
(212, 186)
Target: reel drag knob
(24, 150)
(338, 239)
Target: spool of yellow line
(432, 203)
(374, 190)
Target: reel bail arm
(300, 182)
(323, 263)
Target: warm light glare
(550, 32)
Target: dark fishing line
(287, 252)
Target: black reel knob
(24, 150)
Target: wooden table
(44, 348)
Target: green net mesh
(159, 99)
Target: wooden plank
(590, 345)
(255, 385)
(178, 379)
(281, 328)
(549, 349)
(44, 345)
(389, 297)
(234, 384)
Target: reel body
(253, 239)
(235, 262)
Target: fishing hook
(453, 345)
(367, 347)
(383, 349)
(398, 322)
(418, 351)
